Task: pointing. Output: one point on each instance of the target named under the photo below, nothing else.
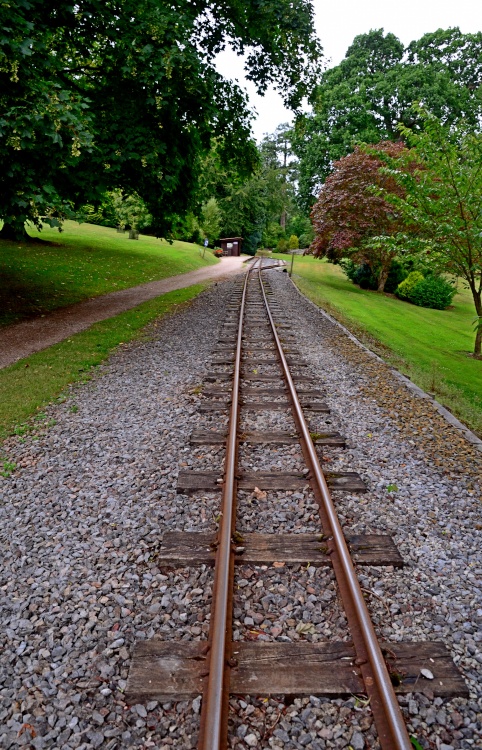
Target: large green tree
(365, 97)
(98, 95)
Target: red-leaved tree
(351, 220)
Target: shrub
(404, 289)
(293, 242)
(362, 275)
(282, 246)
(359, 273)
(434, 292)
(396, 275)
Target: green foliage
(243, 212)
(272, 233)
(131, 211)
(103, 214)
(299, 224)
(365, 97)
(211, 220)
(306, 240)
(441, 180)
(7, 467)
(404, 289)
(293, 242)
(282, 246)
(261, 208)
(188, 229)
(100, 96)
(433, 291)
(362, 274)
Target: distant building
(231, 245)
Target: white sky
(339, 21)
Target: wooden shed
(231, 245)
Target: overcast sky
(339, 21)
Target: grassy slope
(83, 261)
(430, 346)
(28, 385)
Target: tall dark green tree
(97, 95)
(366, 96)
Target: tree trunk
(14, 233)
(478, 335)
(382, 278)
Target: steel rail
(389, 720)
(213, 729)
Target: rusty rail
(389, 721)
(213, 730)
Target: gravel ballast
(83, 514)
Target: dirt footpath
(30, 336)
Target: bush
(293, 242)
(282, 246)
(404, 289)
(434, 292)
(362, 275)
(396, 275)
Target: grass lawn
(83, 261)
(430, 346)
(28, 385)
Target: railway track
(257, 370)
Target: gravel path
(81, 519)
(22, 339)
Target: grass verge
(431, 347)
(28, 385)
(84, 261)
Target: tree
(243, 213)
(211, 220)
(440, 193)
(98, 95)
(279, 168)
(351, 218)
(365, 97)
(259, 207)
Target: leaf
(27, 727)
(259, 494)
(279, 564)
(25, 47)
(305, 627)
(392, 488)
(416, 744)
